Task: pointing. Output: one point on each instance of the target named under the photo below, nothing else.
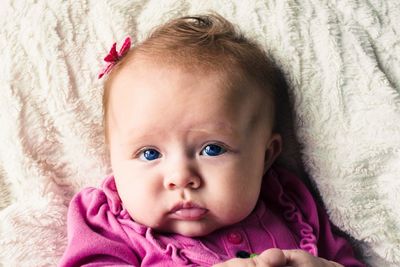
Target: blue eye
(149, 154)
(213, 150)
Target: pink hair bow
(113, 56)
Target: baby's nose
(182, 175)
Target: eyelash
(223, 149)
(138, 154)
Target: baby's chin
(198, 228)
(190, 229)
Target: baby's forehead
(230, 84)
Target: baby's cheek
(140, 208)
(234, 209)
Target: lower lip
(190, 214)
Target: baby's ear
(272, 151)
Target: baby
(190, 125)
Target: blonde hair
(206, 42)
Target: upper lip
(185, 205)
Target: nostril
(182, 181)
(193, 184)
(171, 186)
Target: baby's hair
(203, 43)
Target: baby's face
(188, 153)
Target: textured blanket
(341, 60)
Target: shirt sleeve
(95, 237)
(330, 245)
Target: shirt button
(235, 238)
(242, 254)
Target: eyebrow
(216, 126)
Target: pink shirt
(101, 232)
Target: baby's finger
(297, 257)
(300, 258)
(272, 258)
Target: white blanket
(341, 60)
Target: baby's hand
(300, 258)
(270, 258)
(281, 258)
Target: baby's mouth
(188, 211)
